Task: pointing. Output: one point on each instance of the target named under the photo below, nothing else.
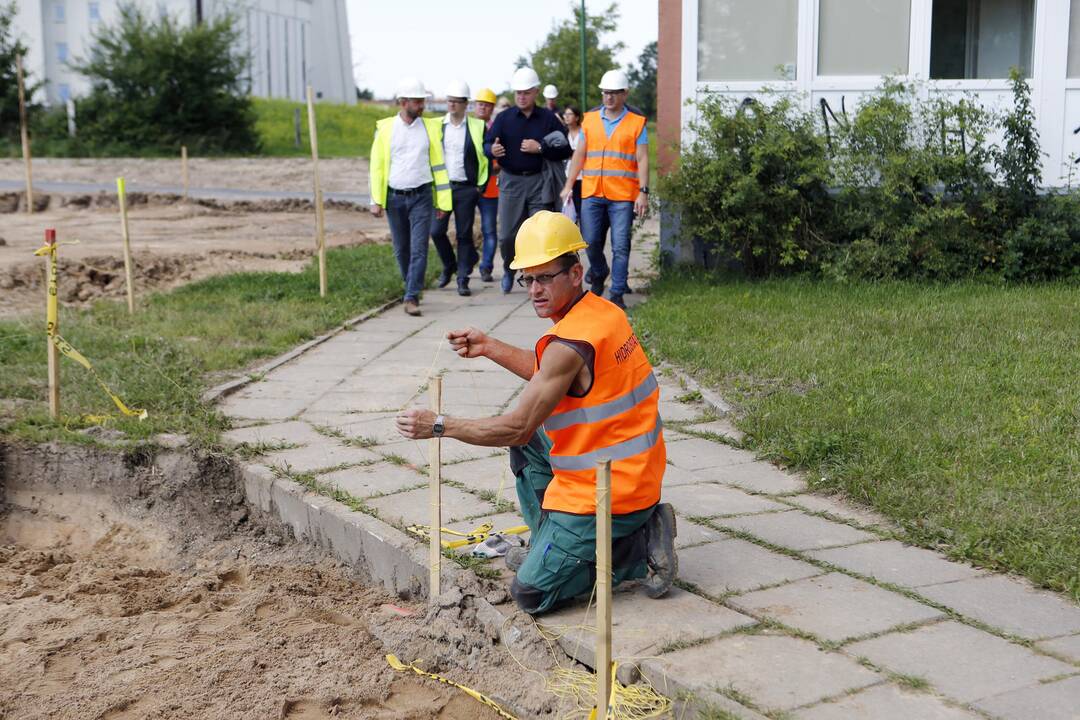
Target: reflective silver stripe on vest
(443, 187)
(610, 154)
(603, 411)
(609, 173)
(618, 451)
(437, 168)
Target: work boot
(463, 290)
(412, 308)
(444, 277)
(597, 288)
(663, 562)
(618, 301)
(485, 276)
(515, 558)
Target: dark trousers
(489, 221)
(410, 220)
(519, 198)
(465, 197)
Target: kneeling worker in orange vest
(591, 394)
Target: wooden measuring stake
(435, 492)
(121, 193)
(24, 133)
(320, 217)
(603, 587)
(52, 315)
(184, 168)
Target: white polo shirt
(454, 140)
(410, 165)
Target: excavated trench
(138, 584)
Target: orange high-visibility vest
(618, 418)
(611, 167)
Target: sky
(475, 40)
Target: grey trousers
(519, 198)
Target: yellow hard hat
(544, 237)
(485, 95)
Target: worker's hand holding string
(497, 148)
(468, 343)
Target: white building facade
(290, 43)
(836, 51)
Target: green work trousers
(561, 563)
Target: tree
(557, 59)
(642, 79)
(11, 48)
(158, 85)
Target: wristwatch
(645, 189)
(439, 427)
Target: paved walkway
(789, 604)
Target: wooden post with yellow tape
(435, 493)
(184, 169)
(320, 216)
(603, 588)
(24, 134)
(52, 325)
(121, 193)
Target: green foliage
(557, 59)
(915, 189)
(10, 49)
(642, 79)
(157, 85)
(344, 130)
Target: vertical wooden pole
(435, 488)
(52, 315)
(320, 218)
(603, 587)
(121, 193)
(24, 132)
(184, 168)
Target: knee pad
(527, 597)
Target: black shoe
(486, 276)
(597, 288)
(663, 562)
(464, 291)
(515, 558)
(444, 277)
(618, 301)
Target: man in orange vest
(591, 394)
(614, 165)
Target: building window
(1074, 38)
(61, 52)
(980, 39)
(95, 12)
(64, 91)
(747, 39)
(869, 37)
(58, 12)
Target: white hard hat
(551, 92)
(614, 80)
(410, 87)
(525, 78)
(458, 88)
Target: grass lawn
(953, 409)
(166, 355)
(344, 130)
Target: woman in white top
(572, 118)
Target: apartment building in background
(290, 43)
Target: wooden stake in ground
(24, 132)
(121, 194)
(603, 587)
(320, 218)
(184, 168)
(435, 487)
(52, 325)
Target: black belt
(426, 187)
(462, 183)
(522, 174)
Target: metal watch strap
(439, 426)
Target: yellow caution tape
(51, 314)
(610, 714)
(479, 697)
(472, 537)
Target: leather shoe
(486, 276)
(618, 300)
(464, 291)
(412, 308)
(444, 277)
(597, 288)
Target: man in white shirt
(467, 166)
(408, 179)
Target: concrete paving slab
(378, 479)
(671, 410)
(497, 378)
(293, 432)
(712, 500)
(490, 474)
(1011, 605)
(315, 457)
(835, 607)
(693, 534)
(838, 507)
(697, 454)
(893, 562)
(758, 476)
(413, 507)
(961, 662)
(1067, 647)
(1058, 700)
(264, 408)
(297, 371)
(735, 565)
(776, 672)
(397, 384)
(723, 428)
(272, 388)
(642, 627)
(796, 530)
(676, 476)
(885, 702)
(351, 402)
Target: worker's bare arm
(473, 343)
(560, 365)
